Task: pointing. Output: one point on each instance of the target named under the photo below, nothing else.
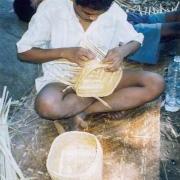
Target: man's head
(89, 10)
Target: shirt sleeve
(126, 31)
(129, 34)
(38, 33)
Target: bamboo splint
(9, 170)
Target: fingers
(109, 57)
(114, 66)
(111, 68)
(83, 55)
(81, 63)
(87, 54)
(84, 58)
(113, 59)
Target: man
(156, 28)
(53, 38)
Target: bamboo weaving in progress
(93, 80)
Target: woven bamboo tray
(94, 81)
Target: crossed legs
(136, 88)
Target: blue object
(150, 26)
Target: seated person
(55, 33)
(156, 28)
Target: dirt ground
(170, 145)
(131, 145)
(27, 129)
(32, 137)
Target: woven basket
(75, 155)
(94, 81)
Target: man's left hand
(114, 59)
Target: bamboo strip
(9, 169)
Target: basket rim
(98, 145)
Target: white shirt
(55, 25)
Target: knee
(155, 85)
(47, 107)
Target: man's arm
(75, 54)
(37, 55)
(130, 48)
(115, 56)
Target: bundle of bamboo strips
(9, 170)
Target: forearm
(37, 55)
(130, 48)
(116, 55)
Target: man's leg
(170, 24)
(51, 103)
(170, 31)
(172, 16)
(135, 89)
(156, 28)
(136, 18)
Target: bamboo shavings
(9, 170)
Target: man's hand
(78, 55)
(114, 59)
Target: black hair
(95, 4)
(23, 9)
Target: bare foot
(59, 127)
(79, 121)
(115, 115)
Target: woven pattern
(94, 81)
(75, 155)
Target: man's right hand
(78, 55)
